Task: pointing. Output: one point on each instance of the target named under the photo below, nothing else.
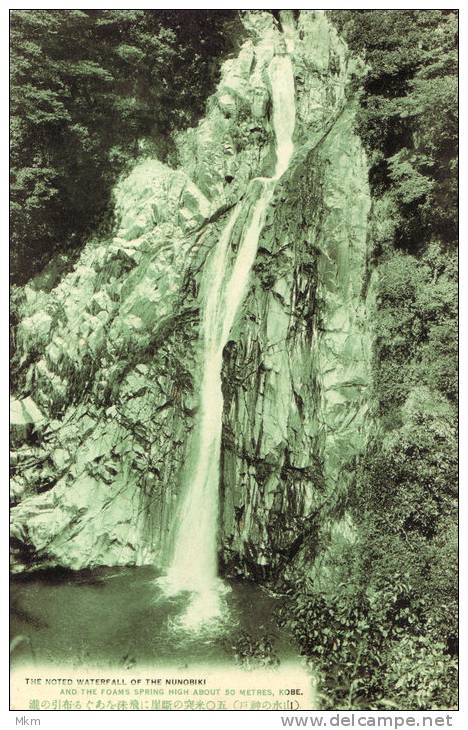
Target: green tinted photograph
(233, 367)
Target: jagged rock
(115, 364)
(24, 412)
(35, 329)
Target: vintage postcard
(234, 360)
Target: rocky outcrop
(110, 356)
(297, 372)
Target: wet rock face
(110, 356)
(297, 373)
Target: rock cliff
(107, 361)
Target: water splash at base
(207, 611)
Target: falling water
(194, 562)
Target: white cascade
(194, 561)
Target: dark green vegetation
(386, 637)
(86, 87)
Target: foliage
(372, 649)
(416, 328)
(86, 86)
(386, 636)
(408, 118)
(251, 652)
(405, 506)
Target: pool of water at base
(119, 618)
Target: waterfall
(194, 561)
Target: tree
(86, 86)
